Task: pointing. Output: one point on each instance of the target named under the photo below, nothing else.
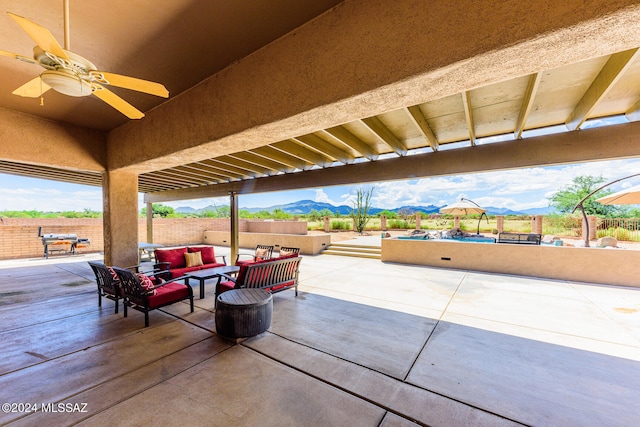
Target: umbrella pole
(584, 214)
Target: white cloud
(322, 197)
(512, 189)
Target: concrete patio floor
(364, 344)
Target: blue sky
(514, 189)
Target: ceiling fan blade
(118, 103)
(40, 35)
(16, 56)
(132, 83)
(32, 89)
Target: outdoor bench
(519, 238)
(273, 275)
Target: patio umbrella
(462, 207)
(630, 196)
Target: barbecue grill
(66, 243)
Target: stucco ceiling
(178, 43)
(183, 42)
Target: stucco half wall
(594, 265)
(309, 244)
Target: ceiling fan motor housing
(67, 76)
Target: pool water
(459, 239)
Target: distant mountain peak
(304, 207)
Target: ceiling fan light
(66, 83)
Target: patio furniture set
(243, 301)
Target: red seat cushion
(226, 286)
(240, 263)
(277, 288)
(175, 257)
(207, 253)
(167, 294)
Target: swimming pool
(474, 239)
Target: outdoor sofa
(180, 261)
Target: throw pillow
(146, 284)
(284, 252)
(261, 254)
(193, 259)
(113, 274)
(208, 256)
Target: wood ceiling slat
(298, 149)
(633, 114)
(220, 175)
(247, 168)
(270, 166)
(381, 131)
(608, 76)
(169, 175)
(199, 173)
(349, 139)
(225, 170)
(527, 103)
(468, 114)
(420, 121)
(279, 156)
(44, 172)
(159, 178)
(317, 143)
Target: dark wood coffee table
(210, 273)
(242, 313)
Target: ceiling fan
(73, 75)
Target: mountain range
(303, 207)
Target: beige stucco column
(327, 225)
(383, 222)
(500, 223)
(235, 228)
(149, 222)
(120, 218)
(418, 216)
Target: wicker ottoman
(242, 313)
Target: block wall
(19, 236)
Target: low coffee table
(242, 313)
(210, 273)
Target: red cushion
(277, 288)
(214, 265)
(178, 272)
(208, 256)
(168, 293)
(226, 286)
(243, 269)
(240, 263)
(175, 257)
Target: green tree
(326, 212)
(314, 215)
(565, 200)
(389, 214)
(361, 206)
(160, 210)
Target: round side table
(242, 313)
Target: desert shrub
(400, 224)
(340, 225)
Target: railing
(624, 229)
